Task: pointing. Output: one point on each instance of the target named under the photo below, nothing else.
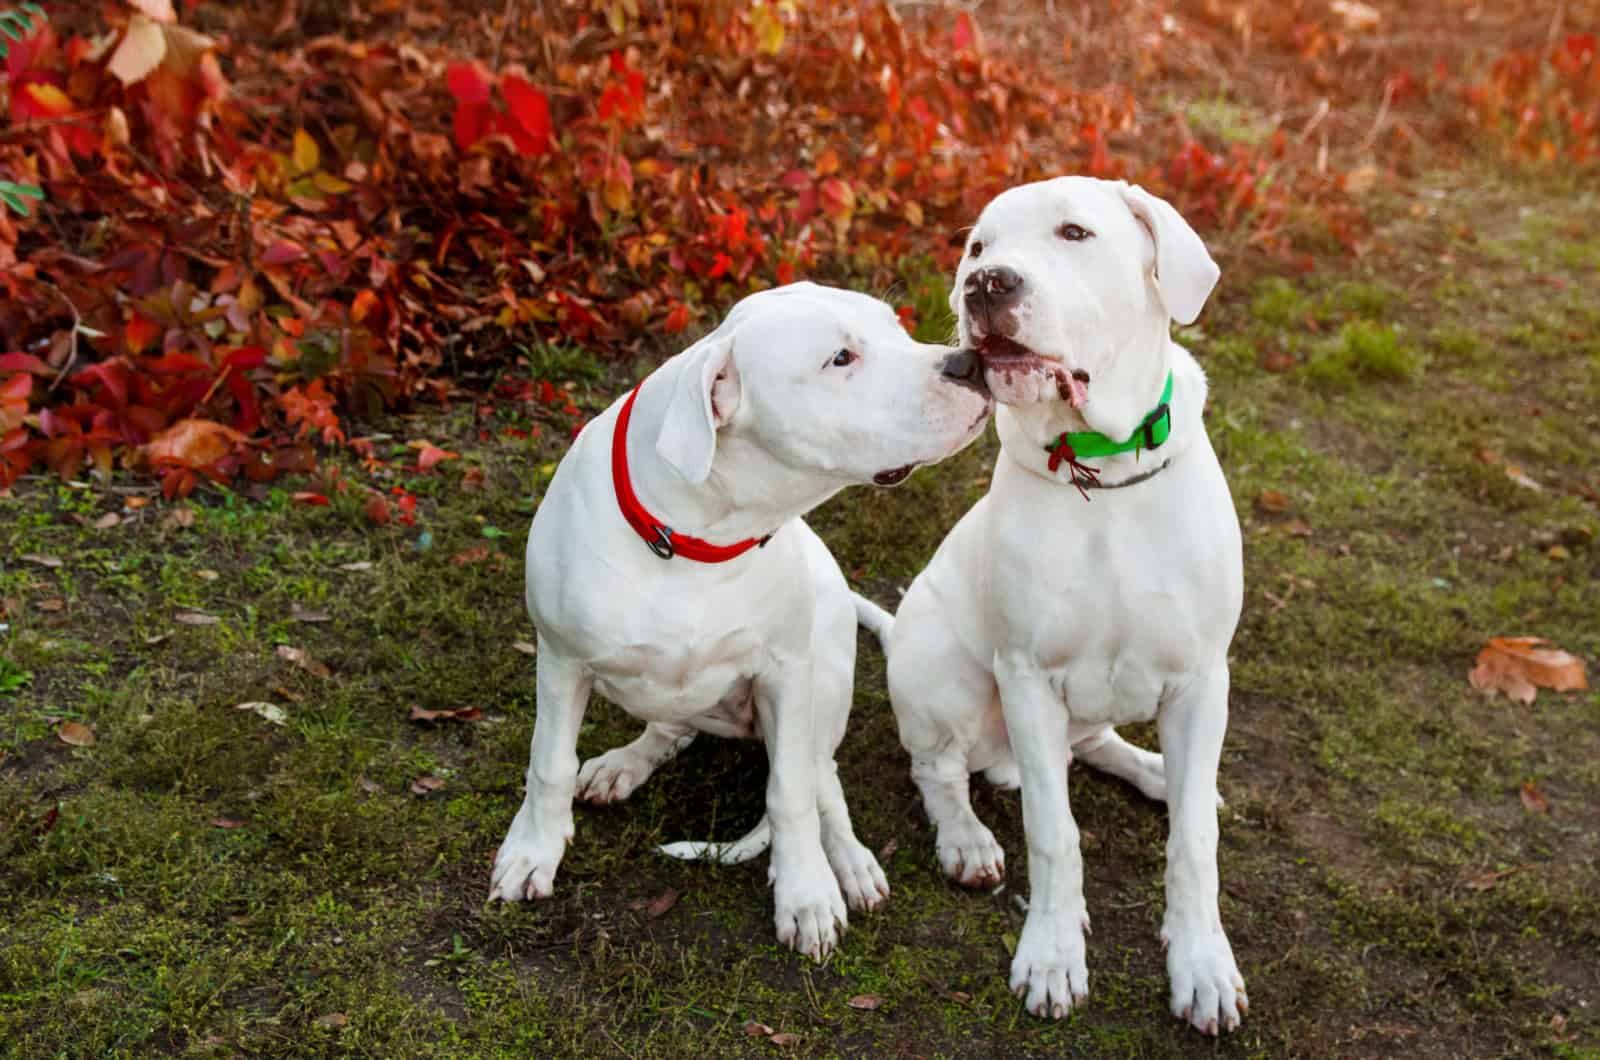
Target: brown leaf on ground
(195, 618)
(42, 560)
(457, 714)
(524, 647)
(76, 733)
(52, 604)
(657, 907)
(785, 1039)
(1274, 502)
(228, 822)
(865, 1002)
(1520, 666)
(107, 521)
(426, 785)
(752, 1029)
(475, 554)
(307, 614)
(333, 1020)
(1533, 799)
(302, 658)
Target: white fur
(1045, 619)
(736, 437)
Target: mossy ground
(202, 882)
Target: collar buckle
(661, 544)
(1157, 414)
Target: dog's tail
(873, 619)
(754, 843)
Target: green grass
(202, 882)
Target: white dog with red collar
(1098, 582)
(668, 569)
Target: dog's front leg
(1048, 970)
(1207, 989)
(526, 865)
(810, 909)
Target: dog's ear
(1185, 273)
(704, 398)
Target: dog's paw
(1004, 775)
(811, 913)
(970, 855)
(611, 777)
(1207, 989)
(1048, 971)
(526, 864)
(860, 878)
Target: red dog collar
(662, 539)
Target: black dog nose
(965, 367)
(996, 285)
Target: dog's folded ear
(705, 395)
(1185, 273)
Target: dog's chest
(706, 683)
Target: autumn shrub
(244, 250)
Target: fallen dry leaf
(1533, 799)
(333, 1020)
(269, 711)
(227, 822)
(107, 521)
(1483, 881)
(192, 443)
(785, 1038)
(865, 1002)
(195, 618)
(178, 519)
(52, 603)
(302, 658)
(308, 614)
(426, 785)
(458, 714)
(657, 907)
(76, 733)
(1274, 502)
(1520, 666)
(1297, 528)
(371, 787)
(524, 647)
(475, 554)
(44, 561)
(357, 566)
(753, 1029)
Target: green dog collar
(1073, 446)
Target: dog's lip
(894, 475)
(1005, 355)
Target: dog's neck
(1026, 430)
(748, 494)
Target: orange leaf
(1519, 667)
(48, 100)
(431, 456)
(140, 332)
(1533, 799)
(76, 733)
(192, 444)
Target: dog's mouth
(1005, 357)
(894, 476)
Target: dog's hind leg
(968, 851)
(615, 775)
(1108, 752)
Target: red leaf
(23, 362)
(377, 510)
(964, 37)
(314, 500)
(140, 332)
(531, 110)
(677, 320)
(470, 123)
(283, 252)
(468, 82)
(192, 444)
(246, 357)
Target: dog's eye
(1074, 233)
(843, 359)
(976, 250)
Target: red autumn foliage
(244, 246)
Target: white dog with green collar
(1098, 582)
